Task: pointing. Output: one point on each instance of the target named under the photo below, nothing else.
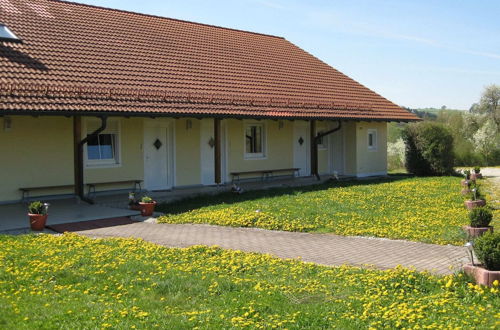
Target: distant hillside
(431, 113)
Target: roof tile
(79, 57)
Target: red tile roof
(89, 59)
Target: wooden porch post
(78, 155)
(217, 150)
(314, 150)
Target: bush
(480, 217)
(38, 208)
(487, 248)
(146, 199)
(428, 149)
(477, 169)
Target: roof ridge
(167, 18)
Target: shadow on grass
(195, 202)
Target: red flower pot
(147, 209)
(473, 232)
(38, 221)
(482, 275)
(473, 204)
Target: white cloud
(330, 19)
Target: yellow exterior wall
(187, 152)
(35, 152)
(279, 146)
(39, 152)
(361, 161)
(350, 151)
(132, 161)
(370, 162)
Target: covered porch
(14, 220)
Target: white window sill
(254, 157)
(103, 165)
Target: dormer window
(7, 35)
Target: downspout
(315, 147)
(79, 184)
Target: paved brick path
(323, 249)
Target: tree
(490, 104)
(487, 140)
(429, 148)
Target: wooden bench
(91, 187)
(266, 174)
(26, 191)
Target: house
(102, 99)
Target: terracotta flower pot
(37, 221)
(473, 204)
(473, 176)
(147, 209)
(482, 275)
(473, 232)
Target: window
(254, 141)
(7, 35)
(103, 149)
(372, 139)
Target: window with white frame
(103, 149)
(254, 141)
(372, 139)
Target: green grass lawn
(73, 282)
(419, 209)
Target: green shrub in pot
(487, 249)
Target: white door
(301, 147)
(156, 169)
(207, 152)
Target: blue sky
(425, 53)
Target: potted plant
(487, 249)
(38, 213)
(133, 204)
(477, 173)
(147, 206)
(465, 182)
(475, 199)
(480, 218)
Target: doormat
(91, 224)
